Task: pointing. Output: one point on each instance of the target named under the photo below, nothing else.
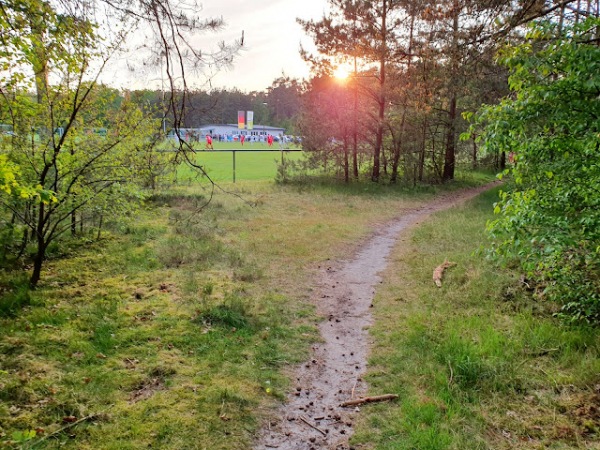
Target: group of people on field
(242, 139)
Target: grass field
(174, 331)
(254, 161)
(177, 329)
(250, 165)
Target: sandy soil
(312, 418)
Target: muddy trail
(312, 417)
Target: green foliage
(79, 153)
(21, 437)
(8, 176)
(549, 215)
(285, 169)
(12, 185)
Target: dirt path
(312, 418)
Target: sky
(272, 39)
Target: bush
(549, 216)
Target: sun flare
(341, 74)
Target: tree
(549, 219)
(283, 101)
(455, 43)
(370, 31)
(456, 30)
(326, 125)
(73, 137)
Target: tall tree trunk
(450, 156)
(423, 150)
(379, 137)
(32, 213)
(355, 127)
(38, 262)
(73, 215)
(381, 100)
(398, 147)
(438, 170)
(40, 253)
(39, 60)
(355, 157)
(346, 162)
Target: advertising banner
(250, 120)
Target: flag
(241, 119)
(250, 120)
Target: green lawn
(249, 165)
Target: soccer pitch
(249, 165)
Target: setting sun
(341, 74)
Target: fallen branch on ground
(376, 398)
(303, 419)
(438, 273)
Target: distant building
(229, 132)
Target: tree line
(414, 68)
(436, 84)
(278, 105)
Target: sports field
(250, 164)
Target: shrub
(549, 216)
